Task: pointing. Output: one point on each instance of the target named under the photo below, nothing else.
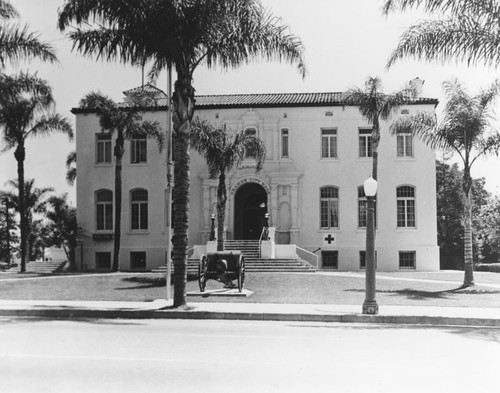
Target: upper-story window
(404, 144)
(138, 149)
(250, 153)
(363, 207)
(365, 143)
(285, 143)
(103, 148)
(328, 143)
(104, 210)
(405, 196)
(139, 209)
(329, 207)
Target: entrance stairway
(253, 262)
(44, 267)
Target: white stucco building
(318, 155)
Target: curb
(57, 313)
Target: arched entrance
(250, 207)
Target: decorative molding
(250, 179)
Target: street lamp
(370, 305)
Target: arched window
(405, 196)
(139, 209)
(104, 210)
(329, 207)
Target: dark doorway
(250, 208)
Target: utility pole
(170, 165)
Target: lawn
(402, 288)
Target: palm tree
(466, 129)
(184, 35)
(17, 43)
(26, 109)
(35, 202)
(126, 123)
(222, 150)
(467, 30)
(71, 168)
(374, 106)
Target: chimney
(418, 85)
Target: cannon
(223, 266)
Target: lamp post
(212, 227)
(370, 305)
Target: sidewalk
(158, 309)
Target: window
(138, 260)
(285, 142)
(404, 144)
(365, 143)
(362, 208)
(103, 148)
(328, 143)
(330, 260)
(405, 207)
(362, 259)
(407, 260)
(103, 261)
(138, 149)
(139, 209)
(329, 207)
(104, 210)
(250, 131)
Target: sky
(345, 42)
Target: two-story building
(318, 156)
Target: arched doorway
(250, 209)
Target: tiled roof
(261, 100)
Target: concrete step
(45, 267)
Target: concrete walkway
(455, 316)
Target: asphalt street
(94, 355)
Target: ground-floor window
(330, 260)
(103, 261)
(138, 260)
(407, 260)
(362, 259)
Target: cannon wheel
(241, 272)
(202, 273)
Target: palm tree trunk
(20, 155)
(118, 202)
(183, 109)
(468, 259)
(221, 210)
(375, 143)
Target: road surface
(39, 355)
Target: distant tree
(62, 226)
(17, 43)
(35, 206)
(125, 123)
(8, 226)
(71, 168)
(450, 207)
(488, 222)
(222, 149)
(466, 129)
(463, 30)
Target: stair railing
(308, 256)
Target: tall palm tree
(466, 30)
(222, 150)
(18, 43)
(125, 123)
(26, 110)
(374, 106)
(71, 168)
(466, 129)
(184, 35)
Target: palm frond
(47, 124)
(17, 43)
(7, 11)
(456, 7)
